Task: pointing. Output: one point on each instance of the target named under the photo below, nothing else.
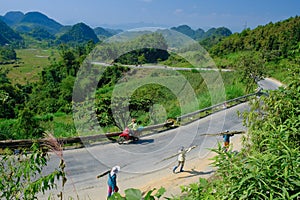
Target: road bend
(143, 160)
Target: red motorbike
(127, 136)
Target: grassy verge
(30, 63)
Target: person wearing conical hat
(112, 181)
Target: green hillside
(185, 29)
(41, 34)
(274, 47)
(8, 35)
(279, 39)
(79, 33)
(13, 17)
(32, 20)
(102, 32)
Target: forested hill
(32, 20)
(104, 32)
(8, 35)
(279, 39)
(13, 17)
(79, 33)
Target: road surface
(143, 162)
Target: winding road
(144, 160)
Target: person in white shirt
(181, 158)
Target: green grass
(30, 63)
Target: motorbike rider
(129, 133)
(132, 127)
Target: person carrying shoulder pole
(181, 158)
(226, 139)
(112, 181)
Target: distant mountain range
(200, 34)
(14, 24)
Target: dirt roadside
(194, 169)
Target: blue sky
(234, 14)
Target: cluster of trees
(275, 40)
(7, 53)
(133, 48)
(21, 104)
(32, 103)
(147, 48)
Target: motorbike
(128, 136)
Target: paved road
(165, 67)
(139, 160)
(269, 84)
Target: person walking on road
(181, 158)
(226, 139)
(112, 181)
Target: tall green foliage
(135, 194)
(11, 98)
(251, 69)
(54, 90)
(21, 174)
(27, 126)
(268, 166)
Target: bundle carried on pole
(224, 133)
(103, 174)
(114, 169)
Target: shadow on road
(195, 173)
(144, 141)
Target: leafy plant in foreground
(21, 174)
(268, 167)
(135, 194)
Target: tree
(27, 126)
(251, 69)
(11, 98)
(7, 53)
(141, 59)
